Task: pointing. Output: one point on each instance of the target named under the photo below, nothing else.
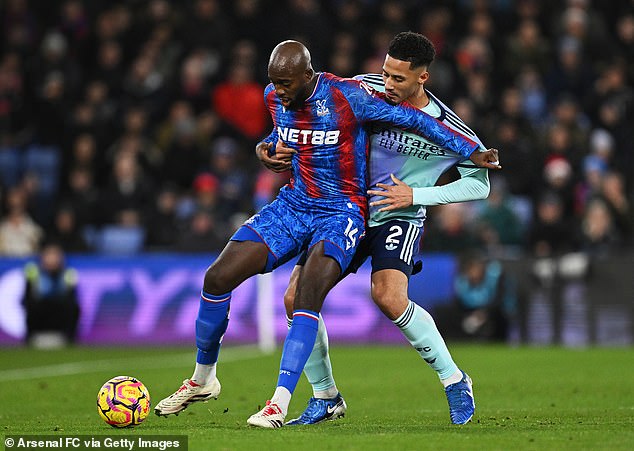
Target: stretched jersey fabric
(328, 133)
(419, 162)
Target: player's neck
(419, 99)
(310, 87)
(312, 83)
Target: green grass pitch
(526, 398)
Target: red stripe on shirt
(304, 120)
(348, 159)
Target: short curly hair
(412, 47)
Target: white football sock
(204, 374)
(329, 393)
(453, 379)
(282, 397)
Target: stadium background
(127, 131)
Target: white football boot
(189, 392)
(270, 417)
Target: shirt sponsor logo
(294, 135)
(401, 142)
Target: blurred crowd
(130, 126)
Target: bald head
(291, 73)
(290, 57)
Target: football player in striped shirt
(323, 209)
(404, 169)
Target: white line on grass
(149, 362)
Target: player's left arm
(369, 106)
(473, 184)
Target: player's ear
(423, 77)
(309, 73)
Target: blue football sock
(297, 347)
(211, 325)
(419, 328)
(318, 369)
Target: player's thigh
(335, 238)
(319, 274)
(238, 261)
(279, 228)
(392, 246)
(340, 232)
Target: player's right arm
(472, 185)
(274, 154)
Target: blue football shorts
(392, 245)
(288, 230)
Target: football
(123, 401)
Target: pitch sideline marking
(92, 366)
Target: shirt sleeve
(369, 105)
(271, 138)
(472, 185)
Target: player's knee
(309, 295)
(216, 281)
(382, 295)
(305, 300)
(391, 304)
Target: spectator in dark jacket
(50, 297)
